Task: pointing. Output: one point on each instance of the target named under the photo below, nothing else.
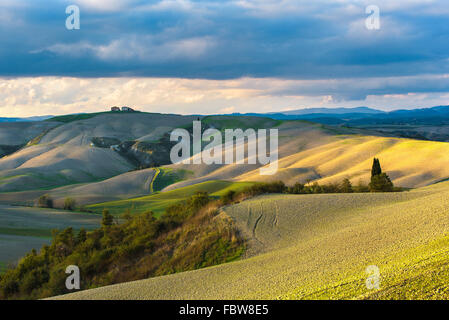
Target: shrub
(261, 188)
(228, 197)
(298, 188)
(361, 188)
(346, 186)
(45, 201)
(107, 219)
(69, 204)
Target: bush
(261, 188)
(108, 219)
(228, 197)
(346, 186)
(69, 204)
(361, 188)
(45, 201)
(298, 188)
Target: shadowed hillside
(65, 154)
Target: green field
(159, 201)
(318, 247)
(25, 228)
(75, 117)
(167, 176)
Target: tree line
(380, 182)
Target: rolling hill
(61, 152)
(309, 152)
(300, 246)
(158, 202)
(319, 246)
(64, 164)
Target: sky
(216, 56)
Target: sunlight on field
(410, 163)
(318, 246)
(159, 201)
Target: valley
(23, 229)
(296, 246)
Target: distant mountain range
(363, 116)
(362, 110)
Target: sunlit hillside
(410, 163)
(308, 153)
(319, 246)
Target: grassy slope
(159, 201)
(406, 160)
(22, 229)
(166, 177)
(75, 117)
(318, 246)
(325, 154)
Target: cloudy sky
(216, 56)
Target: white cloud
(227, 109)
(103, 5)
(62, 95)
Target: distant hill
(36, 118)
(357, 110)
(423, 123)
(361, 115)
(434, 115)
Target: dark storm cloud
(227, 39)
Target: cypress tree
(380, 182)
(376, 169)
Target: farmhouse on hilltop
(124, 109)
